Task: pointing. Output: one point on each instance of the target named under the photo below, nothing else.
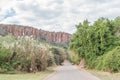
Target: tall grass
(27, 54)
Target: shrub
(4, 55)
(59, 55)
(28, 56)
(72, 57)
(110, 61)
(4, 59)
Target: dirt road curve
(70, 72)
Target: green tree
(94, 40)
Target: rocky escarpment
(18, 31)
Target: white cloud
(56, 15)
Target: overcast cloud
(56, 15)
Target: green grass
(27, 76)
(106, 75)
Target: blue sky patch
(10, 13)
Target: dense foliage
(27, 54)
(110, 61)
(59, 55)
(72, 57)
(97, 41)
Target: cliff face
(18, 31)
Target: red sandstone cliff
(18, 31)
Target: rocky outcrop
(18, 31)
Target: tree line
(98, 44)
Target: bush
(110, 61)
(59, 55)
(4, 55)
(72, 57)
(4, 59)
(28, 56)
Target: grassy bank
(106, 75)
(27, 76)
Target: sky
(56, 15)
